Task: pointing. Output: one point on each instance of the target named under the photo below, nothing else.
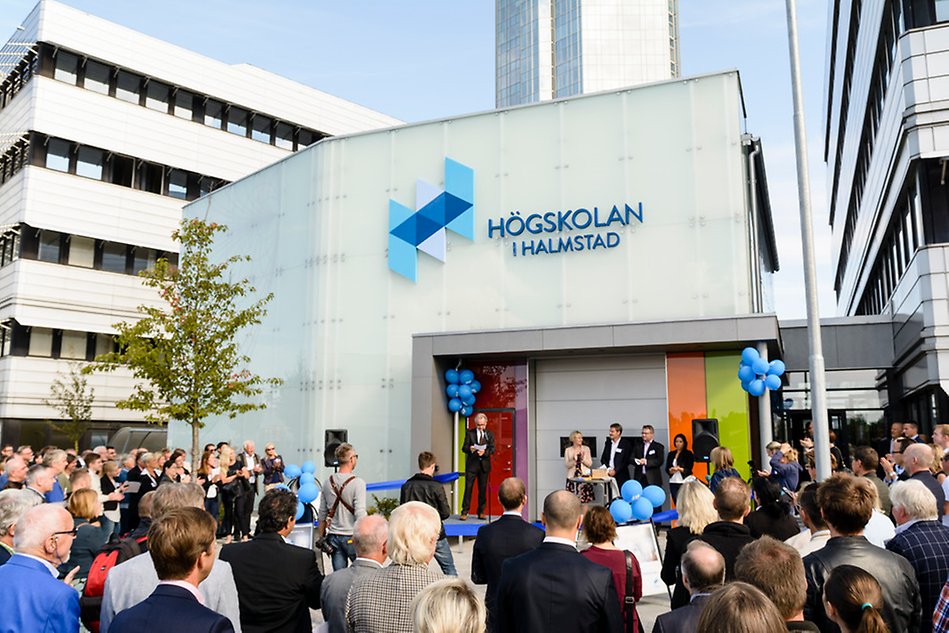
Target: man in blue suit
(182, 547)
(32, 598)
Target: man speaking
(478, 448)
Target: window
(97, 77)
(127, 87)
(306, 138)
(283, 136)
(237, 121)
(67, 67)
(89, 162)
(184, 104)
(50, 245)
(213, 113)
(156, 96)
(122, 170)
(82, 251)
(178, 184)
(73, 345)
(144, 258)
(105, 344)
(10, 248)
(41, 342)
(113, 257)
(261, 128)
(150, 178)
(57, 154)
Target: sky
(424, 59)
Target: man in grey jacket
(350, 490)
(370, 539)
(134, 580)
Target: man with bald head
(370, 539)
(32, 598)
(703, 571)
(917, 458)
(554, 583)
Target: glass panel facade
(568, 80)
(516, 65)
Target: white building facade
(104, 134)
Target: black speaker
(332, 438)
(704, 438)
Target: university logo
(435, 212)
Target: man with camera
(342, 502)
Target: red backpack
(90, 603)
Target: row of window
(21, 340)
(125, 85)
(19, 74)
(75, 250)
(15, 158)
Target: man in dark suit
(182, 548)
(245, 503)
(617, 453)
(648, 457)
(505, 538)
(917, 459)
(703, 571)
(888, 445)
(277, 583)
(478, 448)
(554, 587)
(922, 540)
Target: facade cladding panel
(339, 331)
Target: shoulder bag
(321, 542)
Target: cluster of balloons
(637, 502)
(461, 390)
(756, 374)
(307, 490)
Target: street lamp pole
(816, 358)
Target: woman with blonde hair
(740, 608)
(578, 460)
(695, 512)
(85, 508)
(448, 606)
(231, 489)
(724, 463)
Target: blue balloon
(308, 467)
(760, 366)
(466, 411)
(283, 486)
(300, 510)
(621, 510)
(454, 405)
(749, 355)
(656, 495)
(466, 376)
(451, 376)
(642, 509)
(756, 387)
(307, 478)
(475, 386)
(464, 391)
(746, 373)
(776, 368)
(772, 382)
(631, 490)
(292, 471)
(308, 492)
(452, 390)
(470, 400)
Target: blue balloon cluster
(637, 502)
(461, 390)
(756, 374)
(307, 490)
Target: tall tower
(547, 49)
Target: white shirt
(48, 565)
(817, 541)
(184, 585)
(212, 489)
(251, 464)
(513, 513)
(879, 529)
(613, 450)
(646, 446)
(561, 541)
(369, 560)
(902, 528)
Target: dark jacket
(677, 540)
(475, 463)
(728, 538)
(682, 620)
(277, 584)
(422, 487)
(622, 461)
(89, 540)
(505, 538)
(173, 609)
(927, 479)
(554, 588)
(686, 461)
(925, 545)
(901, 601)
(774, 523)
(654, 462)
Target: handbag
(630, 601)
(321, 542)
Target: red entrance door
(501, 424)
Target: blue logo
(435, 212)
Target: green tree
(72, 397)
(185, 353)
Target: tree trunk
(195, 447)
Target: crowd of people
(124, 542)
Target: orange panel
(686, 397)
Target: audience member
(879, 528)
(277, 582)
(85, 508)
(600, 530)
(32, 599)
(696, 510)
(209, 476)
(79, 479)
(111, 493)
(423, 487)
(703, 571)
(776, 569)
(729, 534)
(15, 473)
(892, 464)
(865, 463)
(540, 587)
(940, 618)
(273, 466)
(911, 431)
(232, 489)
(509, 536)
(739, 608)
(131, 582)
(380, 601)
(249, 464)
(448, 606)
(182, 549)
(941, 437)
(773, 515)
(890, 444)
(724, 463)
(26, 452)
(846, 503)
(56, 460)
(144, 520)
(39, 480)
(785, 468)
(816, 535)
(13, 505)
(370, 539)
(922, 540)
(853, 600)
(917, 460)
(342, 502)
(945, 488)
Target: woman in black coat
(679, 464)
(773, 516)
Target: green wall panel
(727, 402)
